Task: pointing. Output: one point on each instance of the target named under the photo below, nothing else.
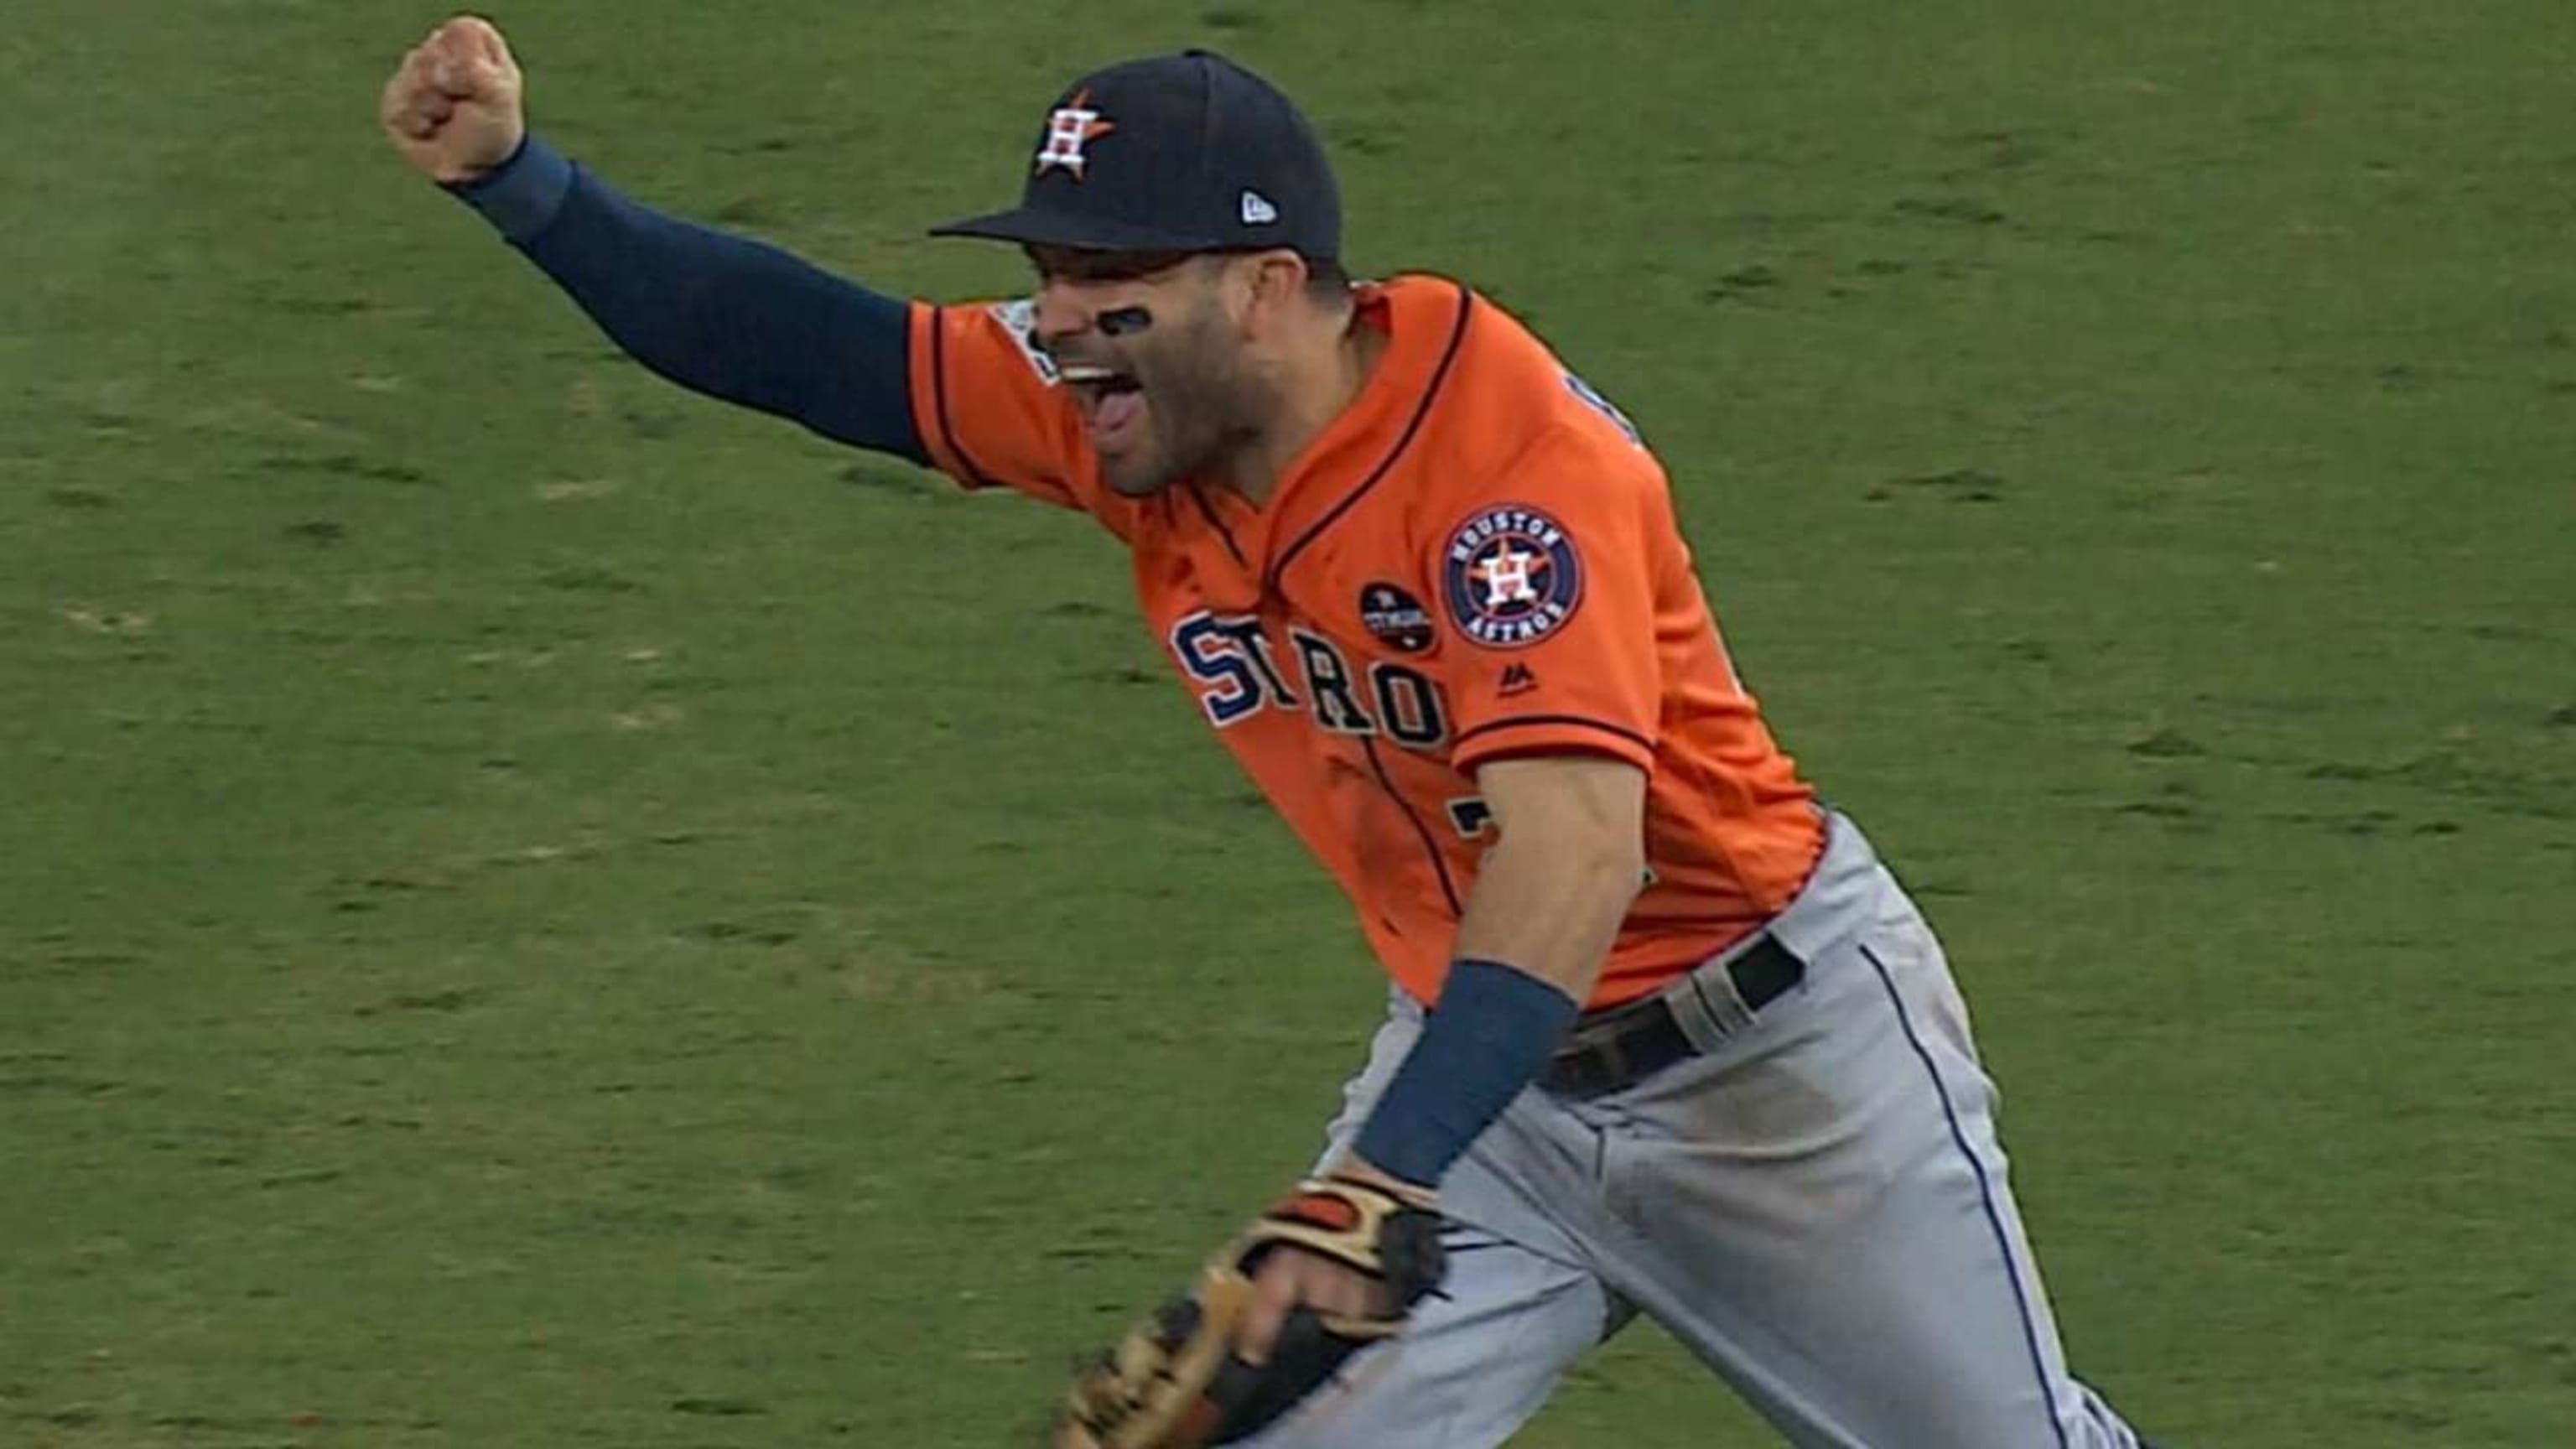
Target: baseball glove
(1175, 1381)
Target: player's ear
(1276, 282)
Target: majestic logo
(1395, 618)
(1512, 577)
(1070, 128)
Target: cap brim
(1034, 226)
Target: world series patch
(1396, 618)
(1020, 319)
(1513, 577)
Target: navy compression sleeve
(719, 314)
(1486, 1039)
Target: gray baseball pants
(1816, 1205)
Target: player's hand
(1290, 1276)
(453, 106)
(1335, 1266)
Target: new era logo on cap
(1257, 210)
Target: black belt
(1629, 1043)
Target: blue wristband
(1493, 1029)
(522, 195)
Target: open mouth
(1112, 401)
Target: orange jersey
(1477, 559)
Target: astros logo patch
(1071, 127)
(1513, 577)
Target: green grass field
(537, 911)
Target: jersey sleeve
(1546, 580)
(989, 406)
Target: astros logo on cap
(1071, 127)
(1512, 577)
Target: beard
(1200, 405)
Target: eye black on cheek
(1123, 321)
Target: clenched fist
(452, 108)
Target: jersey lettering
(1230, 658)
(1328, 679)
(1246, 634)
(1229, 654)
(1408, 703)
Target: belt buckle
(1599, 1057)
(1593, 1059)
(1612, 1054)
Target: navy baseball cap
(1177, 153)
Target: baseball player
(1664, 1036)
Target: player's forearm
(1551, 908)
(1538, 926)
(1567, 860)
(718, 314)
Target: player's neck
(1311, 395)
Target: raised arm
(718, 314)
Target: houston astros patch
(1512, 577)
